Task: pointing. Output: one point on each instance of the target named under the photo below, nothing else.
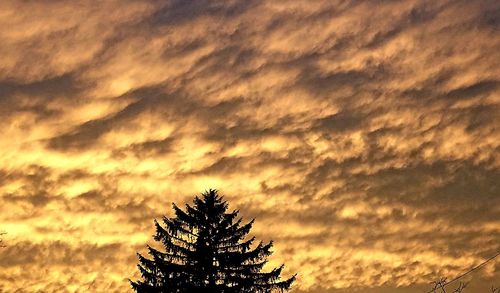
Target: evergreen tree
(207, 250)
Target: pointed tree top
(212, 195)
(207, 249)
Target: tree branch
(1, 240)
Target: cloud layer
(362, 135)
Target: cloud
(362, 136)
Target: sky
(363, 136)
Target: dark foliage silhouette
(1, 239)
(207, 250)
(440, 285)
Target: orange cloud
(362, 136)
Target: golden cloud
(362, 136)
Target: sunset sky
(363, 136)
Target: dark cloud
(34, 97)
(179, 12)
(481, 88)
(343, 121)
(146, 149)
(58, 253)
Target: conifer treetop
(207, 249)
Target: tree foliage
(1, 239)
(207, 249)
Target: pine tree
(207, 250)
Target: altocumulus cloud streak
(362, 135)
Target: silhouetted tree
(440, 287)
(1, 239)
(207, 250)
